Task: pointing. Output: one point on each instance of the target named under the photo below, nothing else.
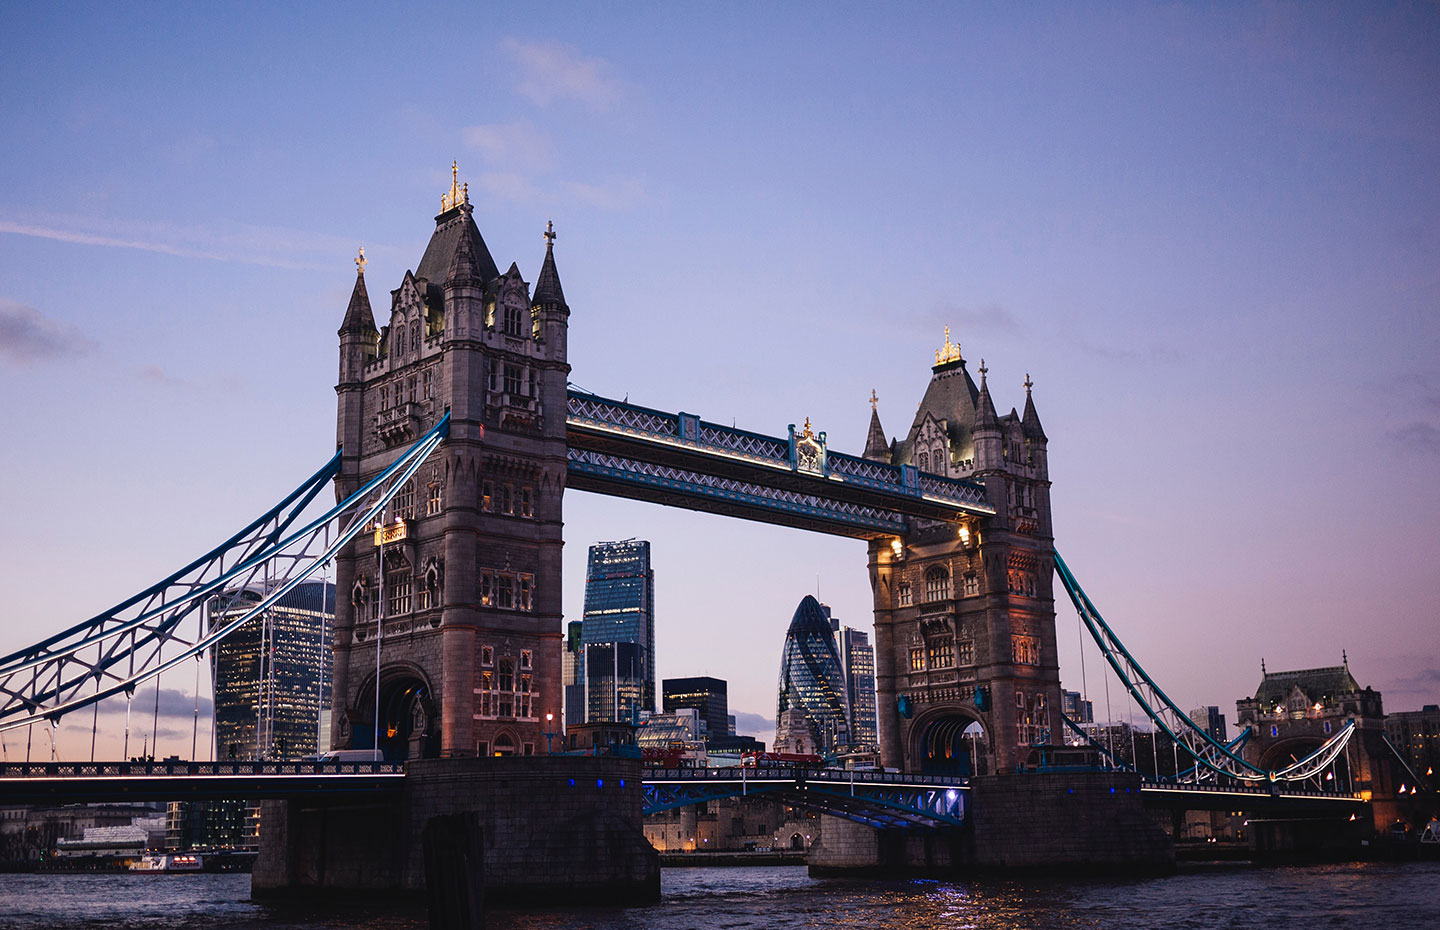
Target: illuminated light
(599, 783)
(572, 783)
(951, 795)
(1402, 789)
(897, 547)
(964, 534)
(1319, 706)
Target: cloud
(173, 703)
(27, 335)
(1418, 437)
(747, 723)
(988, 318)
(154, 374)
(511, 145)
(510, 186)
(618, 194)
(559, 72)
(249, 245)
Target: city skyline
(1208, 235)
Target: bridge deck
(72, 782)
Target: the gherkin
(811, 677)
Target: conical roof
(547, 286)
(985, 416)
(358, 316)
(876, 445)
(1031, 419)
(450, 227)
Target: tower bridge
(458, 435)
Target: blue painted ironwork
(53, 782)
(1208, 752)
(877, 799)
(145, 635)
(679, 459)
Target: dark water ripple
(1341, 897)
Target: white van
(350, 755)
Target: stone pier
(1067, 821)
(557, 829)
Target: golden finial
(948, 353)
(1028, 384)
(456, 195)
(874, 400)
(549, 234)
(360, 261)
(808, 434)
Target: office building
(708, 696)
(1210, 720)
(618, 632)
(857, 664)
(812, 681)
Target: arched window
(923, 462)
(937, 584)
(512, 320)
(938, 460)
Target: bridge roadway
(878, 799)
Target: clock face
(807, 456)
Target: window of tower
(527, 502)
(415, 335)
(487, 589)
(507, 498)
(429, 383)
(917, 659)
(904, 593)
(433, 500)
(397, 593)
(938, 460)
(487, 655)
(937, 584)
(505, 591)
(527, 591)
(512, 320)
(972, 584)
(942, 652)
(965, 652)
(487, 496)
(923, 461)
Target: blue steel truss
(1212, 757)
(876, 799)
(681, 460)
(166, 624)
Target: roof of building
(547, 286)
(952, 397)
(450, 226)
(1316, 683)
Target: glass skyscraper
(812, 678)
(857, 658)
(618, 632)
(272, 676)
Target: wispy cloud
(27, 335)
(511, 145)
(155, 375)
(1420, 437)
(559, 72)
(173, 703)
(616, 194)
(986, 318)
(251, 245)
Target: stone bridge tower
(966, 670)
(470, 646)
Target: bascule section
(966, 667)
(447, 631)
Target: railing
(28, 770)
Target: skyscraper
(272, 675)
(618, 633)
(572, 671)
(812, 680)
(709, 696)
(857, 661)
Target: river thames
(1392, 896)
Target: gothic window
(397, 593)
(942, 652)
(507, 498)
(972, 584)
(923, 461)
(530, 383)
(410, 393)
(965, 652)
(1025, 650)
(904, 594)
(505, 591)
(527, 502)
(527, 592)
(415, 335)
(429, 383)
(506, 691)
(487, 496)
(524, 698)
(527, 659)
(938, 460)
(1022, 720)
(917, 659)
(399, 342)
(512, 320)
(512, 379)
(487, 589)
(937, 584)
(487, 694)
(487, 655)
(384, 397)
(433, 500)
(404, 506)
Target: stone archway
(952, 743)
(409, 718)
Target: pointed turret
(548, 292)
(877, 447)
(358, 316)
(1031, 420)
(989, 452)
(463, 266)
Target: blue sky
(1209, 233)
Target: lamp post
(549, 732)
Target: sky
(1209, 232)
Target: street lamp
(549, 732)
